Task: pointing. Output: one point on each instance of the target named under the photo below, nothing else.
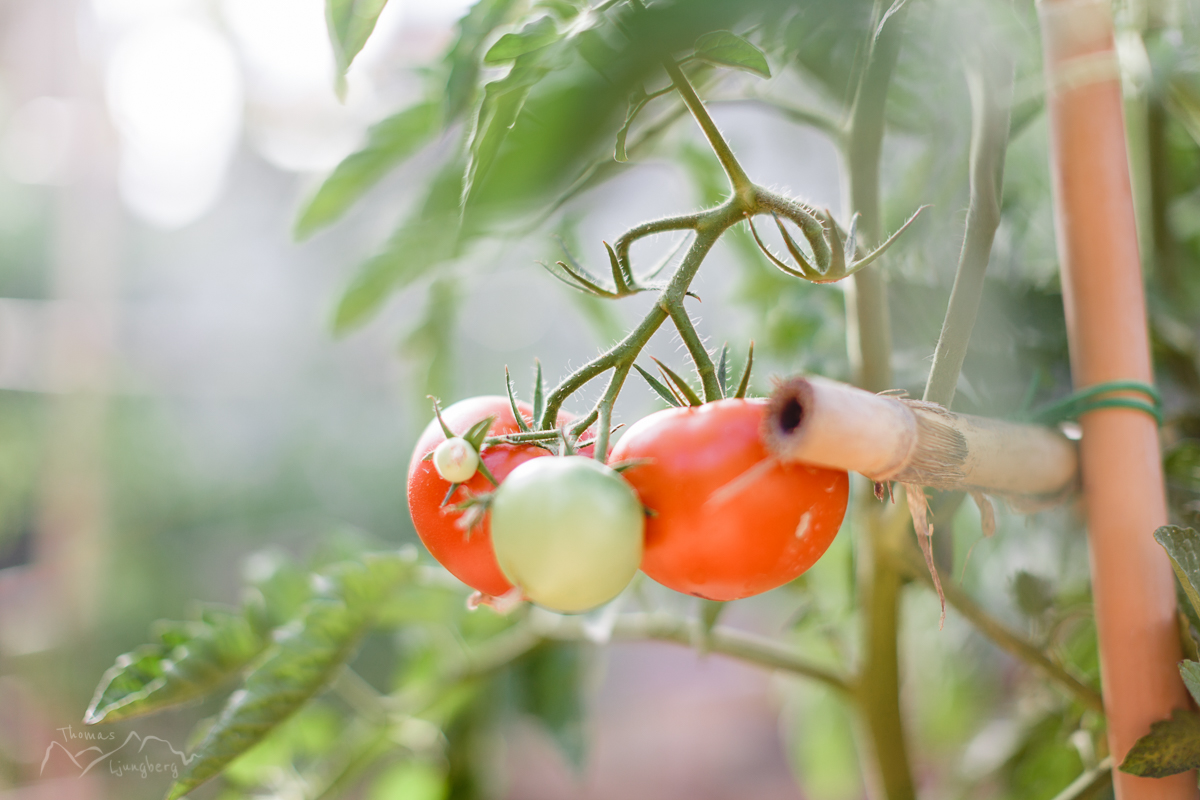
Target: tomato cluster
(701, 507)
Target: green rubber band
(1092, 399)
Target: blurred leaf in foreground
(350, 24)
(189, 660)
(304, 658)
(389, 142)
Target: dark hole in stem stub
(791, 415)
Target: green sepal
(744, 383)
(478, 432)
(679, 383)
(449, 494)
(437, 413)
(539, 392)
(487, 473)
(721, 368)
(617, 273)
(512, 401)
(659, 389)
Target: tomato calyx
(475, 438)
(474, 507)
(630, 463)
(503, 604)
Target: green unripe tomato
(455, 460)
(567, 531)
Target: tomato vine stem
(990, 81)
(737, 644)
(869, 344)
(913, 566)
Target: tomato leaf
(659, 389)
(428, 345)
(1171, 747)
(1183, 547)
(730, 50)
(512, 401)
(503, 100)
(511, 46)
(303, 659)
(350, 24)
(744, 383)
(463, 58)
(1035, 595)
(679, 383)
(388, 143)
(637, 101)
(189, 660)
(427, 238)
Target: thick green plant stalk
(870, 347)
(867, 319)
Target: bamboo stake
(830, 424)
(1106, 326)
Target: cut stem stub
(834, 425)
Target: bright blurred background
(177, 418)
(174, 412)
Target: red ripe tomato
(467, 555)
(728, 520)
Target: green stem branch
(738, 180)
(699, 353)
(737, 644)
(1090, 784)
(878, 681)
(866, 297)
(911, 563)
(709, 228)
(990, 82)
